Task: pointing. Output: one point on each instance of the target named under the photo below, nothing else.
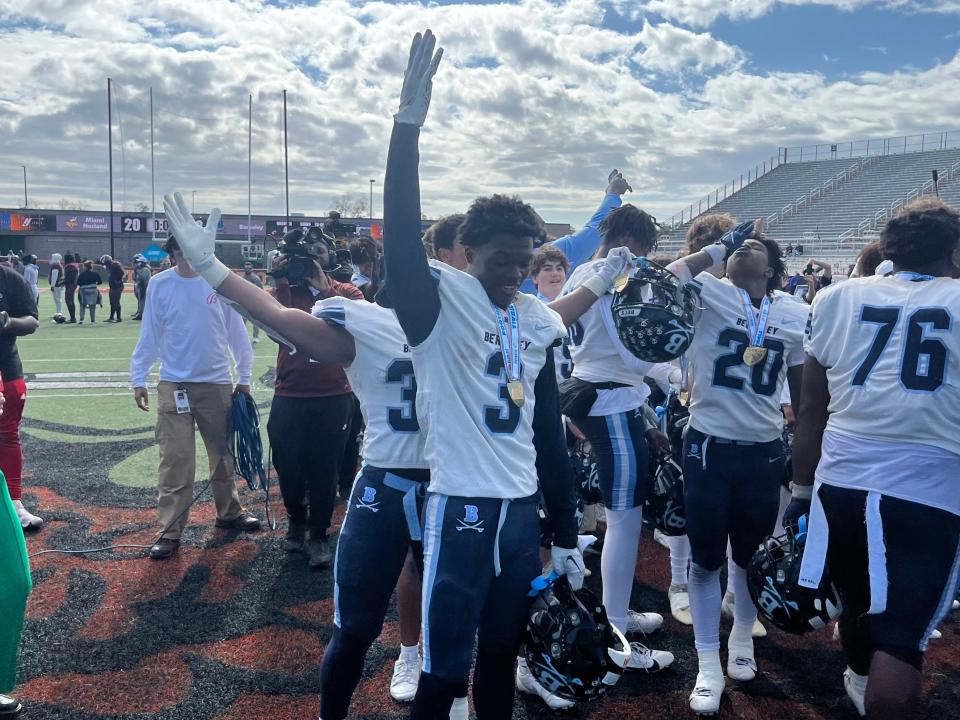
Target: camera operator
(816, 275)
(312, 403)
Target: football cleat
(661, 538)
(406, 678)
(856, 687)
(651, 661)
(936, 634)
(526, 683)
(28, 521)
(680, 604)
(726, 609)
(705, 698)
(956, 605)
(643, 623)
(741, 664)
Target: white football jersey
(562, 362)
(596, 350)
(479, 444)
(728, 398)
(892, 356)
(382, 378)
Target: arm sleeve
(240, 346)
(147, 350)
(553, 464)
(418, 305)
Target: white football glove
(569, 562)
(618, 261)
(197, 243)
(418, 80)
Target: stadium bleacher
(832, 207)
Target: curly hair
(923, 232)
(500, 215)
(706, 230)
(548, 254)
(364, 249)
(443, 233)
(775, 258)
(869, 257)
(629, 220)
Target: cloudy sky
(537, 97)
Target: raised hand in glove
(197, 242)
(617, 262)
(568, 562)
(733, 239)
(418, 80)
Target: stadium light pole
(371, 204)
(26, 203)
(153, 191)
(110, 156)
(286, 159)
(193, 202)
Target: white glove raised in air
(418, 80)
(569, 562)
(197, 242)
(618, 261)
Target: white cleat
(28, 520)
(639, 623)
(726, 609)
(661, 538)
(406, 677)
(955, 606)
(680, 604)
(459, 709)
(651, 661)
(936, 634)
(705, 698)
(741, 665)
(527, 683)
(856, 687)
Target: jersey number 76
(924, 360)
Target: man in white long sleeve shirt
(189, 329)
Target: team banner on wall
(83, 223)
(25, 222)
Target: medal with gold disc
(621, 282)
(755, 352)
(509, 336)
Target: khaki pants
(209, 413)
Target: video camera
(301, 249)
(336, 229)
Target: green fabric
(15, 584)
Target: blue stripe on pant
(371, 549)
(619, 443)
(463, 597)
(729, 491)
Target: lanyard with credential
(510, 350)
(757, 327)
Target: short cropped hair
(443, 232)
(364, 249)
(548, 254)
(706, 230)
(632, 221)
(923, 232)
(500, 215)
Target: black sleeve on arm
(553, 464)
(20, 297)
(413, 294)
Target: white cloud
(533, 97)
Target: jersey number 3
(500, 419)
(403, 419)
(924, 359)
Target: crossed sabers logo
(471, 519)
(367, 501)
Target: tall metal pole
(286, 159)
(110, 154)
(153, 192)
(26, 203)
(371, 205)
(249, 165)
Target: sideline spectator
(31, 273)
(15, 262)
(310, 418)
(56, 281)
(70, 274)
(89, 292)
(867, 261)
(18, 316)
(115, 277)
(250, 276)
(141, 278)
(187, 327)
(548, 271)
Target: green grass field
(78, 381)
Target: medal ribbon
(756, 325)
(509, 341)
(912, 276)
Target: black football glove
(733, 239)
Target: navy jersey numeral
(566, 365)
(575, 334)
(924, 361)
(404, 418)
(763, 375)
(500, 419)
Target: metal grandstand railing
(713, 198)
(866, 229)
(941, 140)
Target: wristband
(717, 252)
(801, 492)
(213, 271)
(598, 285)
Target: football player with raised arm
(748, 341)
(877, 450)
(482, 353)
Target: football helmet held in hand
(665, 499)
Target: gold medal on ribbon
(753, 354)
(621, 282)
(515, 390)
